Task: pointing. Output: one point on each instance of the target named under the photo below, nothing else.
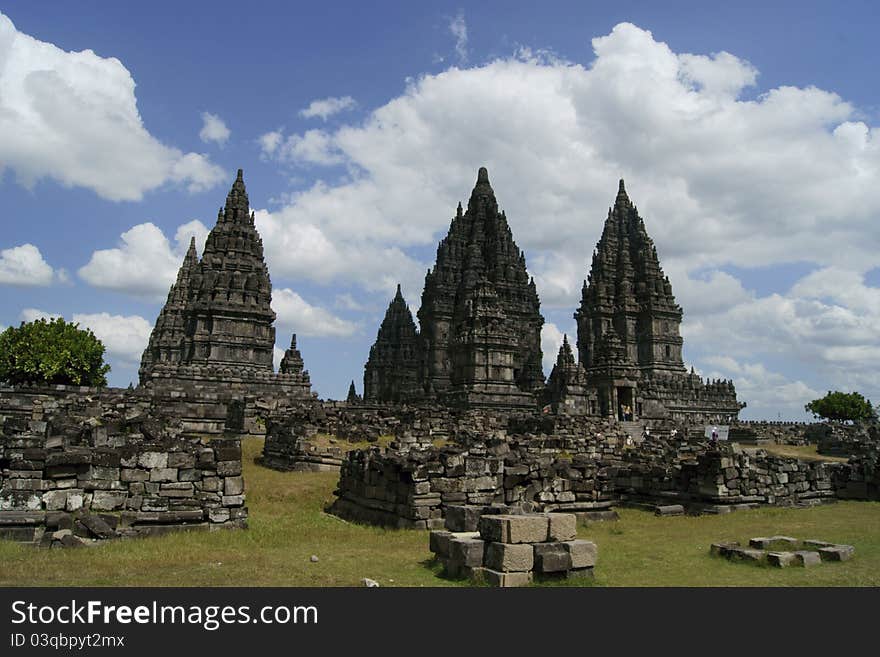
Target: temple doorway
(625, 404)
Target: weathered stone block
(514, 529)
(189, 474)
(107, 500)
(233, 485)
(723, 549)
(581, 573)
(780, 559)
(151, 460)
(134, 474)
(233, 500)
(508, 557)
(438, 543)
(466, 551)
(181, 460)
(491, 577)
(163, 474)
(669, 510)
(551, 558)
(463, 518)
(96, 526)
(228, 468)
(75, 500)
(807, 558)
(562, 526)
(218, 515)
(177, 489)
(583, 554)
(55, 500)
(835, 552)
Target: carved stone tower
(229, 314)
(391, 373)
(628, 327)
(217, 326)
(478, 261)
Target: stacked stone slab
(513, 550)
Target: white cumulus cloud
(781, 175)
(213, 129)
(144, 264)
(297, 315)
(24, 265)
(327, 107)
(73, 117)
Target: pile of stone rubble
(512, 550)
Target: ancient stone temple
(217, 326)
(628, 331)
(480, 318)
(568, 391)
(292, 362)
(391, 373)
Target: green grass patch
(288, 525)
(803, 452)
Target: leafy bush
(842, 407)
(53, 352)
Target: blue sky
(747, 135)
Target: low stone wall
(779, 433)
(731, 475)
(201, 410)
(413, 488)
(94, 471)
(847, 440)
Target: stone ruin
(478, 345)
(783, 551)
(585, 466)
(459, 403)
(81, 468)
(504, 550)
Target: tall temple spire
(166, 338)
(479, 251)
(237, 208)
(627, 295)
(391, 371)
(483, 192)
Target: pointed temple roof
(479, 250)
(398, 320)
(165, 339)
(625, 271)
(390, 373)
(292, 361)
(565, 357)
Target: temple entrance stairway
(635, 429)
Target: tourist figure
(714, 434)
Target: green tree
(53, 352)
(842, 407)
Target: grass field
(287, 526)
(804, 452)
